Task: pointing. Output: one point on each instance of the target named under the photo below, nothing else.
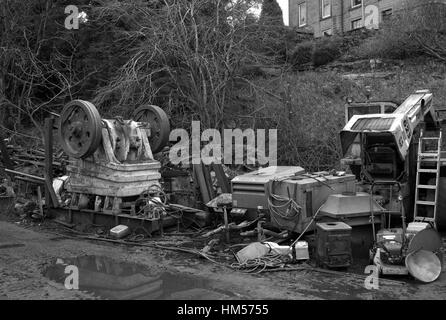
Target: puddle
(108, 278)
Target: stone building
(327, 17)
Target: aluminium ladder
(425, 157)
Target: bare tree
(191, 56)
(35, 74)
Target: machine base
(108, 220)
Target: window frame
(355, 20)
(327, 32)
(386, 16)
(355, 5)
(299, 6)
(322, 9)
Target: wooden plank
(39, 198)
(52, 201)
(50, 195)
(200, 181)
(208, 180)
(223, 181)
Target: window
(325, 8)
(356, 3)
(386, 14)
(302, 14)
(356, 24)
(328, 32)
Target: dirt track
(28, 253)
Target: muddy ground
(33, 259)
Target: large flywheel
(159, 125)
(80, 129)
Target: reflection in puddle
(111, 279)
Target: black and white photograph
(222, 156)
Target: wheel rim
(159, 125)
(80, 129)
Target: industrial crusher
(112, 171)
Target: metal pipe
(25, 175)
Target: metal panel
(309, 192)
(373, 124)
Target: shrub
(301, 53)
(319, 52)
(411, 32)
(387, 43)
(326, 50)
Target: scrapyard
(116, 197)
(366, 225)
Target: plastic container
(119, 232)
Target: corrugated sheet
(373, 124)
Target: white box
(302, 250)
(119, 232)
(415, 227)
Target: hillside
(308, 106)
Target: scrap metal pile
(270, 219)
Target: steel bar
(25, 175)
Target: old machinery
(159, 125)
(249, 190)
(333, 244)
(376, 146)
(369, 107)
(396, 252)
(381, 148)
(111, 161)
(390, 251)
(80, 130)
(294, 201)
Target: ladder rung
(426, 186)
(430, 138)
(423, 219)
(431, 159)
(425, 203)
(430, 154)
(428, 170)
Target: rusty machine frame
(113, 176)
